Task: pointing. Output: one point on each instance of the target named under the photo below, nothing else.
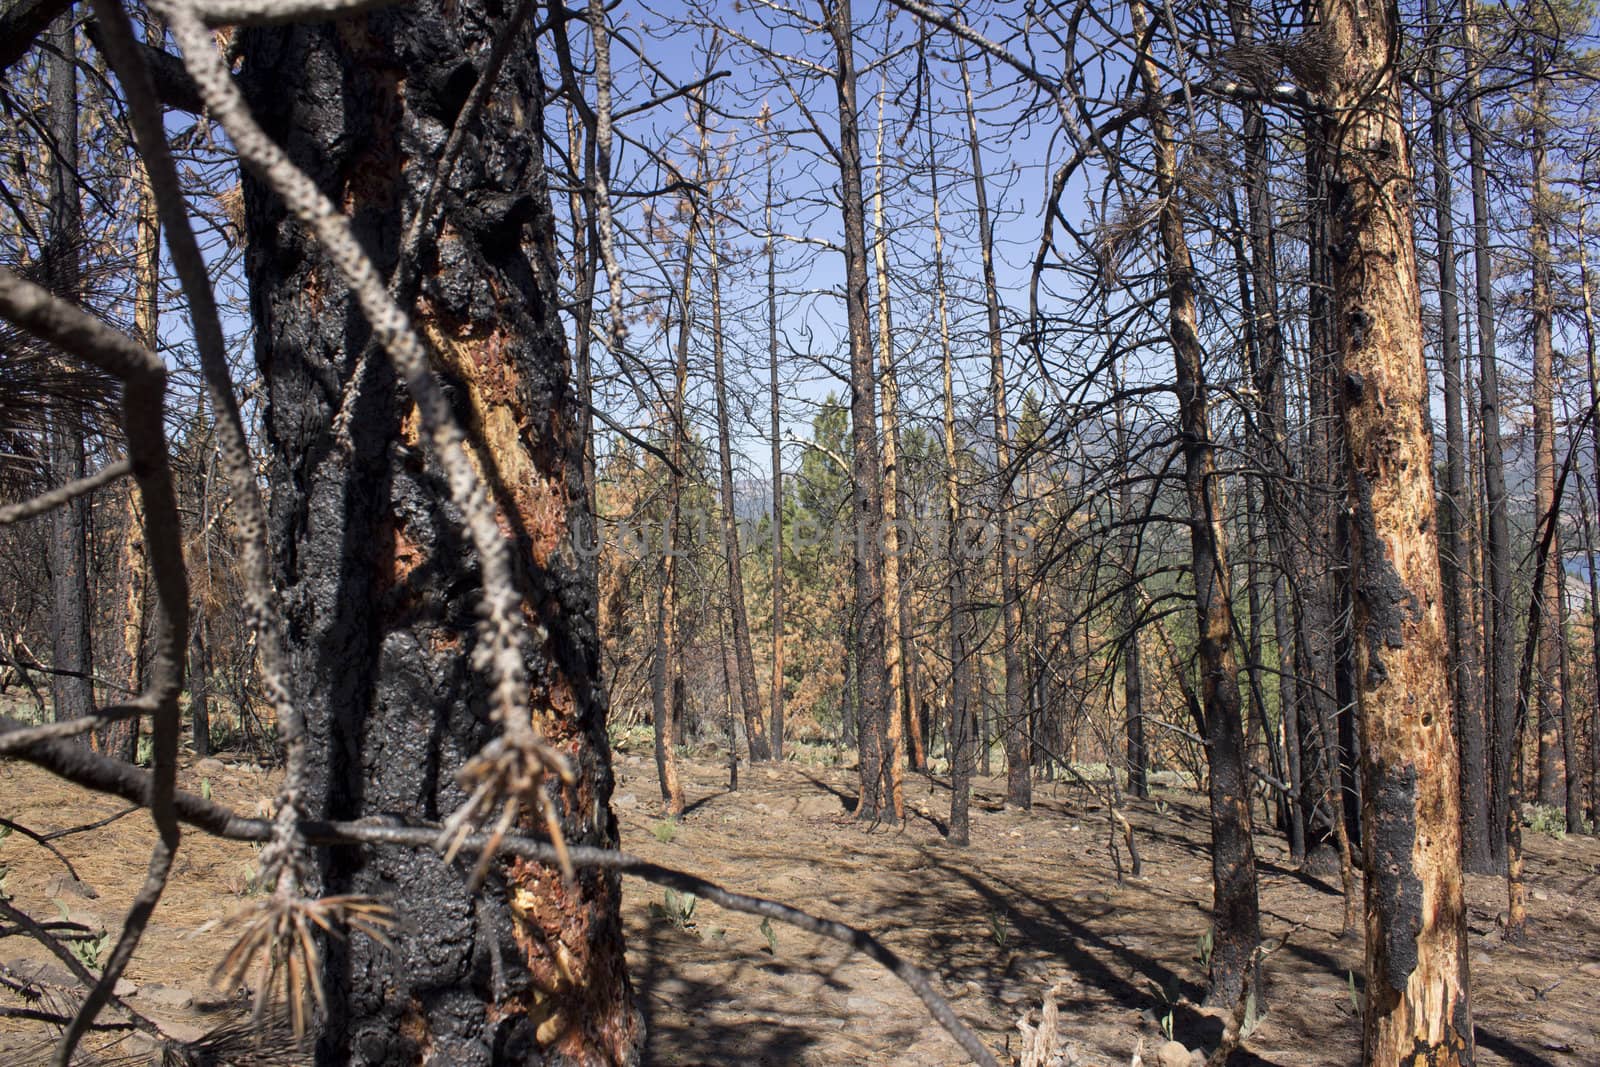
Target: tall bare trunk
(1589, 544)
(68, 552)
(755, 729)
(1502, 631)
(1013, 710)
(777, 480)
(896, 604)
(1416, 1007)
(866, 463)
(960, 726)
(666, 667)
(1454, 520)
(120, 740)
(1236, 910)
(1547, 684)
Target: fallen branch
(93, 771)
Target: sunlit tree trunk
(896, 603)
(960, 725)
(1416, 1007)
(777, 479)
(1013, 709)
(1547, 682)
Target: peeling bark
(1416, 1009)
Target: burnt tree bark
(1547, 682)
(1501, 659)
(1416, 1009)
(866, 474)
(1236, 914)
(776, 732)
(1455, 520)
(71, 689)
(1013, 711)
(378, 581)
(755, 728)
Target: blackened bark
(1498, 621)
(1235, 909)
(866, 463)
(200, 688)
(379, 586)
(1454, 520)
(68, 551)
(776, 733)
(1013, 712)
(755, 728)
(1132, 673)
(1416, 1004)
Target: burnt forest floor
(1032, 905)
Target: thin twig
(64, 494)
(43, 842)
(93, 771)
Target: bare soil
(1033, 905)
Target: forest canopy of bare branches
(442, 444)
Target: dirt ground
(1032, 905)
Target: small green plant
(770, 934)
(89, 949)
(1205, 944)
(999, 932)
(145, 751)
(205, 788)
(1252, 1015)
(86, 947)
(1545, 819)
(665, 830)
(677, 908)
(1167, 1020)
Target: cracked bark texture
(1416, 1009)
(379, 583)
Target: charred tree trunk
(1547, 681)
(1455, 521)
(866, 463)
(666, 665)
(1132, 672)
(379, 583)
(959, 735)
(777, 480)
(71, 688)
(1013, 711)
(755, 728)
(1416, 1008)
(1502, 632)
(1236, 910)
